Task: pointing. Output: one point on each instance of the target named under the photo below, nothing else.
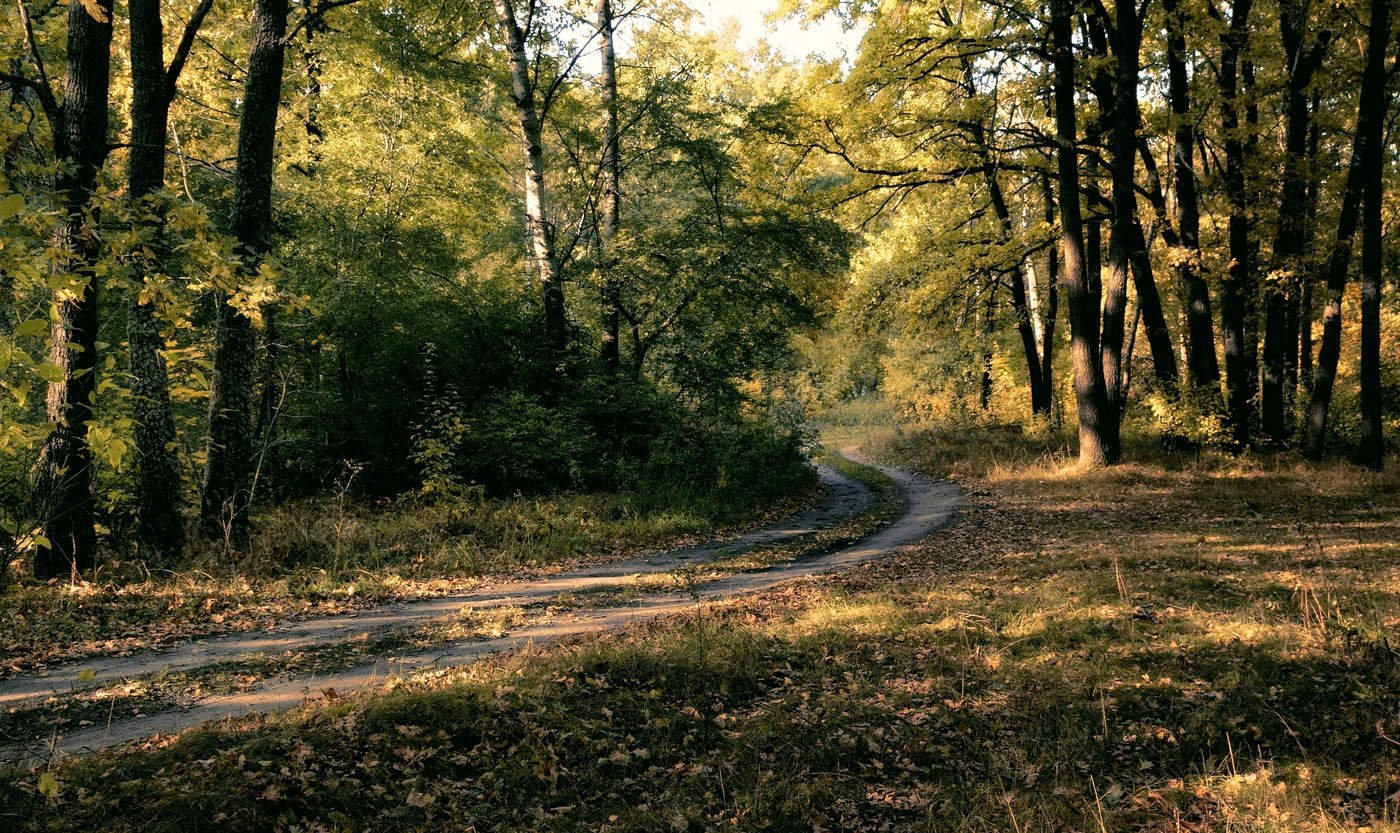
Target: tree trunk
(1372, 448)
(229, 470)
(1238, 295)
(610, 207)
(1290, 240)
(159, 496)
(1098, 444)
(1040, 403)
(63, 481)
(1366, 155)
(537, 227)
(1127, 241)
(1200, 331)
(1052, 303)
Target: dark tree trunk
(1200, 329)
(611, 199)
(63, 481)
(1366, 159)
(1372, 448)
(1040, 402)
(159, 496)
(228, 474)
(988, 317)
(1098, 441)
(1127, 241)
(1237, 297)
(1290, 240)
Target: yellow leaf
(95, 11)
(48, 786)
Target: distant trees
(1080, 94)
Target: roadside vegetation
(1144, 647)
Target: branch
(182, 51)
(41, 85)
(314, 16)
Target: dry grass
(1154, 647)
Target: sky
(794, 39)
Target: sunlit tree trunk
(1097, 442)
(63, 481)
(610, 207)
(228, 473)
(537, 227)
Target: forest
(996, 412)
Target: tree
(538, 230)
(159, 495)
(1098, 430)
(1370, 130)
(63, 482)
(229, 467)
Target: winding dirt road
(927, 504)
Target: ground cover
(326, 557)
(1156, 646)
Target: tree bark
(63, 481)
(1365, 152)
(159, 496)
(1289, 268)
(1200, 329)
(229, 470)
(1127, 243)
(1098, 441)
(1238, 290)
(610, 207)
(1052, 303)
(537, 227)
(1372, 446)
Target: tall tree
(63, 482)
(1372, 448)
(1237, 296)
(229, 468)
(538, 230)
(1098, 433)
(1127, 243)
(1301, 62)
(1366, 159)
(1200, 328)
(158, 488)
(610, 204)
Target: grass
(1153, 647)
(318, 558)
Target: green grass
(328, 556)
(1151, 647)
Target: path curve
(927, 505)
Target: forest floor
(105, 700)
(1183, 644)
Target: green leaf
(32, 327)
(49, 372)
(10, 206)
